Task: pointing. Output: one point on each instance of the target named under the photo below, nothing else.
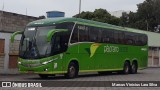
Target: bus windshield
(34, 42)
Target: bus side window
(94, 35)
(116, 34)
(107, 36)
(139, 40)
(142, 40)
(74, 38)
(129, 39)
(145, 39)
(55, 45)
(64, 41)
(121, 37)
(83, 34)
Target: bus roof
(52, 21)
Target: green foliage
(147, 16)
(100, 15)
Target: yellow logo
(93, 49)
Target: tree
(147, 16)
(100, 15)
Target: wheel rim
(133, 68)
(126, 69)
(72, 71)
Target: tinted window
(74, 38)
(68, 26)
(116, 33)
(107, 36)
(121, 37)
(141, 40)
(129, 38)
(83, 33)
(145, 39)
(94, 34)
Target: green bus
(71, 45)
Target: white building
(118, 13)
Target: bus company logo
(93, 49)
(111, 49)
(143, 49)
(6, 84)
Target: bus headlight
(46, 62)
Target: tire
(134, 68)
(126, 68)
(72, 71)
(43, 76)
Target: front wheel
(72, 71)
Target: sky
(70, 7)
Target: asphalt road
(149, 74)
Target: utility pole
(26, 11)
(79, 8)
(147, 27)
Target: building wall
(1, 63)
(11, 22)
(13, 54)
(4, 59)
(154, 57)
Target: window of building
(2, 45)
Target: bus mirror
(52, 32)
(14, 34)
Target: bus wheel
(44, 76)
(126, 68)
(72, 71)
(134, 68)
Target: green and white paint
(89, 55)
